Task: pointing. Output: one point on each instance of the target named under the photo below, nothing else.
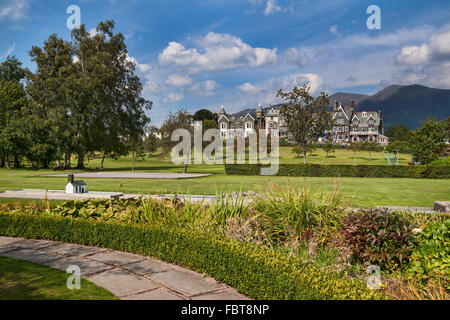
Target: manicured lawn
(361, 192)
(22, 280)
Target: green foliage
(306, 118)
(205, 114)
(428, 142)
(431, 257)
(254, 271)
(441, 162)
(400, 146)
(398, 132)
(361, 171)
(379, 238)
(328, 147)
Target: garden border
(356, 171)
(254, 271)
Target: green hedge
(359, 171)
(256, 272)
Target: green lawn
(22, 280)
(362, 192)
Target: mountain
(407, 105)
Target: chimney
(352, 103)
(70, 178)
(335, 105)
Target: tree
(370, 147)
(398, 132)
(11, 70)
(13, 140)
(328, 147)
(13, 110)
(355, 147)
(204, 114)
(180, 120)
(429, 141)
(305, 117)
(89, 90)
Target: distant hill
(407, 105)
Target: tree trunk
(134, 157)
(80, 163)
(6, 162)
(103, 160)
(2, 164)
(16, 162)
(67, 157)
(304, 157)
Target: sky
(194, 54)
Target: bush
(441, 162)
(379, 238)
(431, 257)
(254, 271)
(359, 171)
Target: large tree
(13, 110)
(89, 90)
(428, 142)
(305, 117)
(399, 132)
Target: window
(364, 114)
(249, 125)
(346, 128)
(340, 114)
(355, 122)
(223, 126)
(340, 121)
(371, 122)
(340, 137)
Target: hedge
(254, 271)
(357, 171)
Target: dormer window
(223, 126)
(249, 125)
(364, 114)
(355, 122)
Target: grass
(23, 280)
(360, 192)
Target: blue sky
(238, 53)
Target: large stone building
(351, 126)
(243, 125)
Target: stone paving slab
(128, 276)
(158, 294)
(148, 266)
(70, 249)
(186, 282)
(87, 266)
(122, 283)
(33, 255)
(117, 258)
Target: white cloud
(414, 54)
(205, 88)
(440, 45)
(140, 67)
(272, 7)
(174, 97)
(297, 56)
(13, 10)
(248, 88)
(9, 51)
(438, 49)
(176, 80)
(334, 30)
(311, 79)
(216, 52)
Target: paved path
(131, 175)
(128, 276)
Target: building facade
(351, 126)
(235, 125)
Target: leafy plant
(379, 237)
(431, 257)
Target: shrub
(379, 237)
(254, 271)
(431, 257)
(358, 171)
(441, 162)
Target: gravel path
(128, 276)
